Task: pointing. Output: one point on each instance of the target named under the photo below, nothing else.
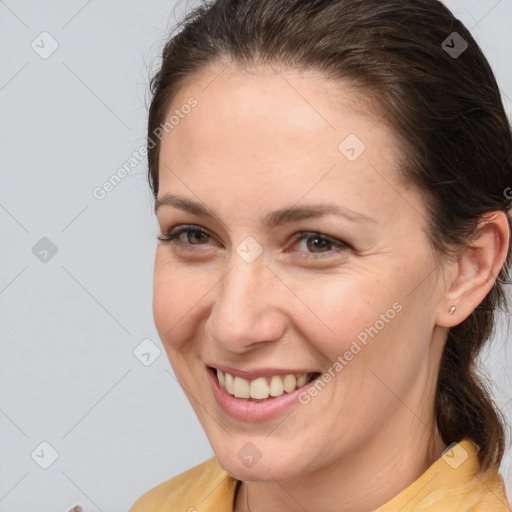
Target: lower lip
(250, 410)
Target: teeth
(229, 382)
(241, 388)
(290, 383)
(261, 388)
(276, 386)
(301, 380)
(222, 379)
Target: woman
(330, 180)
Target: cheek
(362, 322)
(179, 296)
(336, 310)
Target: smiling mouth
(262, 388)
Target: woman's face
(276, 282)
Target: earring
(452, 310)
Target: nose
(249, 308)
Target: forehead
(286, 130)
(262, 100)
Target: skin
(267, 140)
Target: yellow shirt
(451, 484)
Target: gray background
(71, 321)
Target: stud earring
(452, 310)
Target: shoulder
(205, 485)
(486, 492)
(454, 483)
(472, 490)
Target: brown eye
(318, 244)
(309, 244)
(194, 235)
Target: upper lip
(259, 372)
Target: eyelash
(171, 238)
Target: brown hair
(445, 108)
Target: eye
(194, 235)
(316, 243)
(312, 245)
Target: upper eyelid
(183, 228)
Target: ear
(474, 274)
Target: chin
(240, 465)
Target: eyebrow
(273, 219)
